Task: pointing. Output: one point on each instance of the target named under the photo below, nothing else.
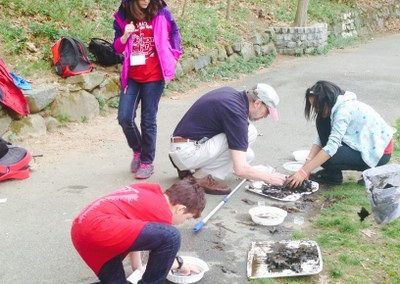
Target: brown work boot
(212, 186)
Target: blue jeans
(148, 94)
(163, 241)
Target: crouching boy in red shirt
(136, 218)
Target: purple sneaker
(135, 164)
(144, 171)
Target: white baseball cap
(269, 97)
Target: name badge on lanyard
(138, 59)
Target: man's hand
(242, 168)
(276, 179)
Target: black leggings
(346, 158)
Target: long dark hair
(135, 14)
(325, 94)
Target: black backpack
(70, 57)
(104, 52)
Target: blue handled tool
(203, 221)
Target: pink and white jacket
(167, 41)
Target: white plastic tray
(257, 268)
(256, 187)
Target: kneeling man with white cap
(213, 138)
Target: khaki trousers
(211, 157)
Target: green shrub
(63, 118)
(350, 3)
(113, 102)
(14, 37)
(46, 30)
(202, 27)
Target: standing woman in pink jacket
(148, 37)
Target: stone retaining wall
(260, 44)
(313, 39)
(300, 40)
(366, 20)
(348, 25)
(379, 18)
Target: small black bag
(104, 52)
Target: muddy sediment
(283, 257)
(282, 191)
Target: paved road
(93, 159)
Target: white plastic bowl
(267, 215)
(293, 166)
(202, 265)
(301, 155)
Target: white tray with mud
(281, 193)
(283, 259)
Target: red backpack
(10, 95)
(70, 57)
(14, 162)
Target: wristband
(303, 173)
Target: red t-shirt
(109, 226)
(143, 43)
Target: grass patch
(298, 235)
(202, 27)
(341, 42)
(230, 70)
(328, 11)
(318, 10)
(355, 251)
(113, 102)
(183, 84)
(285, 12)
(102, 103)
(63, 118)
(14, 37)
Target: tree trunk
(184, 8)
(301, 14)
(228, 9)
